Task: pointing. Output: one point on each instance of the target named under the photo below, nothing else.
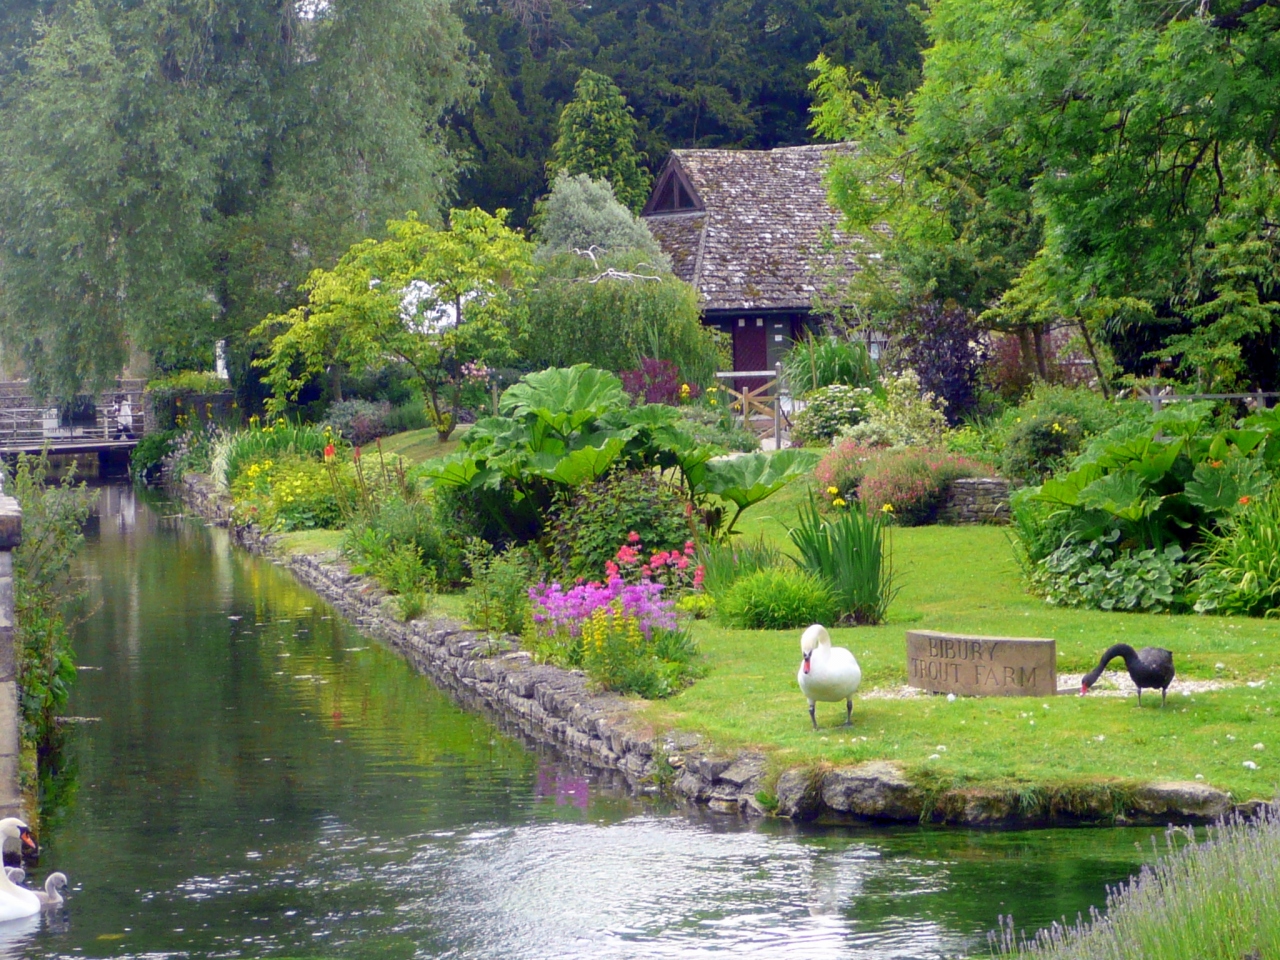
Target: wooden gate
(758, 401)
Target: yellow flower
(839, 502)
(887, 508)
(834, 491)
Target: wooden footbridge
(108, 421)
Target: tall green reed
(724, 563)
(851, 552)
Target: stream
(247, 776)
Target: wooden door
(750, 350)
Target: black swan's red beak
(1083, 689)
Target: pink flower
(698, 575)
(633, 537)
(688, 548)
(645, 572)
(610, 569)
(682, 563)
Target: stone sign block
(981, 666)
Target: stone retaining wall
(555, 707)
(976, 500)
(10, 723)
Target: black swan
(1149, 667)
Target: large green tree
(704, 73)
(443, 302)
(1110, 164)
(171, 172)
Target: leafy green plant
(910, 485)
(593, 519)
(618, 655)
(412, 520)
(234, 450)
(828, 412)
(709, 426)
(778, 599)
(292, 494)
(725, 562)
(149, 453)
(745, 481)
(906, 416)
(1241, 570)
(1101, 574)
(817, 362)
(497, 597)
(53, 515)
(850, 552)
(411, 582)
(1038, 446)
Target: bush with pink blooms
(625, 635)
(677, 570)
(911, 483)
(841, 471)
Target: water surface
(253, 778)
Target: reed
(849, 551)
(1216, 900)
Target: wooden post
(777, 405)
(493, 396)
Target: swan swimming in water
(827, 673)
(16, 902)
(50, 897)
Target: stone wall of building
(977, 500)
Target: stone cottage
(752, 230)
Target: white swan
(16, 902)
(828, 673)
(50, 898)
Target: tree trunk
(1042, 365)
(1093, 356)
(1026, 353)
(335, 381)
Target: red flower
(1244, 501)
(329, 451)
(356, 454)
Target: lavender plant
(1216, 900)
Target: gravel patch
(1109, 685)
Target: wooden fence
(762, 406)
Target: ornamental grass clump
(777, 598)
(849, 551)
(1217, 900)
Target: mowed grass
(419, 446)
(965, 579)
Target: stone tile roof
(758, 244)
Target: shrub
(396, 520)
(236, 450)
(411, 415)
(497, 597)
(1038, 446)
(411, 582)
(291, 494)
(777, 599)
(723, 563)
(911, 484)
(904, 417)
(618, 654)
(658, 381)
(1241, 571)
(358, 421)
(829, 411)
(849, 552)
(148, 456)
(618, 320)
(593, 520)
(718, 428)
(941, 343)
(581, 213)
(817, 362)
(841, 471)
(1100, 574)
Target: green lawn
(418, 446)
(964, 579)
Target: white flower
(951, 698)
(935, 756)
(941, 749)
(1258, 746)
(1199, 776)
(1249, 765)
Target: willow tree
(171, 172)
(443, 302)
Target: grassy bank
(965, 579)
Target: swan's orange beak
(28, 839)
(806, 663)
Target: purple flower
(566, 609)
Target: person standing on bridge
(124, 418)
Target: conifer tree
(597, 136)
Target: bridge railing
(117, 416)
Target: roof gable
(761, 235)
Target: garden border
(555, 707)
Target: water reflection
(264, 781)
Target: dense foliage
(725, 73)
(597, 138)
(581, 213)
(170, 173)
